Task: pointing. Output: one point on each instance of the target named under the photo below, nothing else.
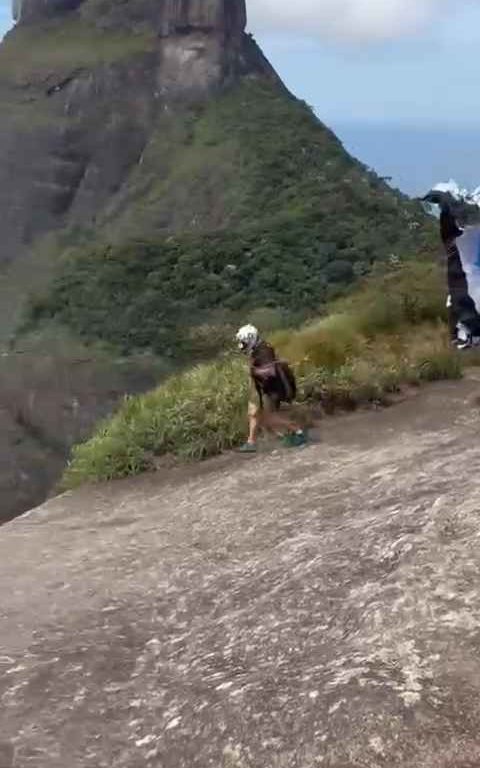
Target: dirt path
(303, 609)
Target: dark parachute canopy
(461, 240)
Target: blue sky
(396, 79)
(403, 98)
(4, 15)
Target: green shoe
(248, 448)
(300, 439)
(295, 439)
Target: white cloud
(350, 20)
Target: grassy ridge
(368, 346)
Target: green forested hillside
(274, 213)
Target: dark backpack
(289, 382)
(276, 378)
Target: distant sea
(415, 157)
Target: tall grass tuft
(193, 415)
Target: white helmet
(247, 338)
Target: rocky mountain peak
(165, 17)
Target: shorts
(271, 404)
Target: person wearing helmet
(272, 383)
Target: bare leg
(253, 423)
(253, 429)
(279, 422)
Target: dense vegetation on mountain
(283, 218)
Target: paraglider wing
(463, 265)
(468, 245)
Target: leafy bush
(152, 295)
(345, 359)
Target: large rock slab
(79, 111)
(300, 609)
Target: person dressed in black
(272, 383)
(463, 318)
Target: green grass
(194, 415)
(367, 348)
(387, 303)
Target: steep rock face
(86, 89)
(32, 10)
(78, 119)
(165, 16)
(48, 403)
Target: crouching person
(272, 383)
